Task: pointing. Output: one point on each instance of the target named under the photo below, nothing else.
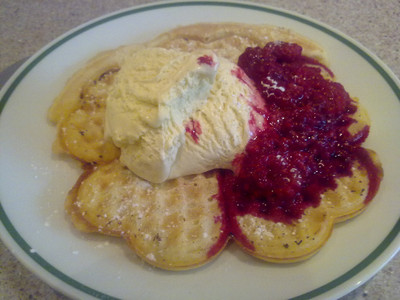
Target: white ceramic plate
(34, 183)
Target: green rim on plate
(386, 242)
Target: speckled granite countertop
(27, 26)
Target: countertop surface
(27, 26)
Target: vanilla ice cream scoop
(176, 113)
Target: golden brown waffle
(286, 243)
(79, 113)
(229, 40)
(174, 225)
(179, 224)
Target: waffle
(174, 225)
(79, 113)
(287, 243)
(229, 40)
(179, 224)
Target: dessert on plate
(212, 132)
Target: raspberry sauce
(193, 128)
(206, 59)
(304, 144)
